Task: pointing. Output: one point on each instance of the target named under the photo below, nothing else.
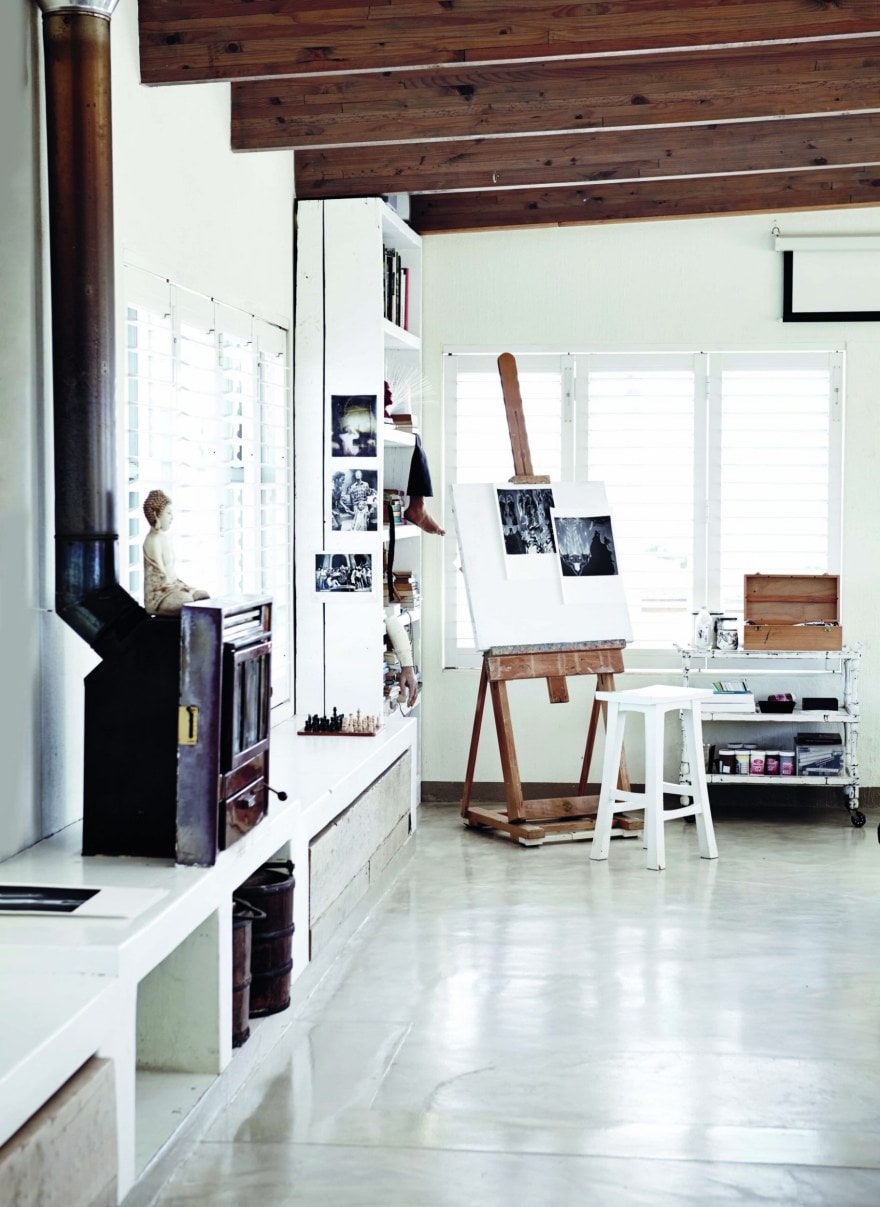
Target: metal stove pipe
(76, 42)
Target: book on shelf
(406, 588)
(396, 281)
(730, 695)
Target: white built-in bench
(153, 990)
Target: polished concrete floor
(517, 1026)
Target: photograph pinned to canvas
(354, 502)
(539, 609)
(526, 530)
(586, 550)
(344, 573)
(353, 425)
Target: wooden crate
(792, 612)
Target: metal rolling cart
(773, 665)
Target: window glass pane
(716, 465)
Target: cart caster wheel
(858, 819)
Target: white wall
(185, 208)
(705, 284)
(19, 436)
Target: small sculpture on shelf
(164, 593)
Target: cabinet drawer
(240, 813)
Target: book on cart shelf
(729, 695)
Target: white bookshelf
(344, 345)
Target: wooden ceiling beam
(190, 40)
(770, 193)
(558, 159)
(557, 96)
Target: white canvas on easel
(530, 607)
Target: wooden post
(516, 422)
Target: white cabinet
(347, 348)
(811, 674)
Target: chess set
(341, 725)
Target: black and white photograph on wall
(344, 573)
(586, 546)
(353, 422)
(355, 500)
(525, 520)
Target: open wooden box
(792, 612)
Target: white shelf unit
(403, 370)
(407, 556)
(345, 346)
(788, 670)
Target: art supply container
(727, 635)
(726, 762)
(704, 629)
(756, 762)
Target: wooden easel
(535, 821)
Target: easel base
(532, 834)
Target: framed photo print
(353, 425)
(354, 502)
(344, 573)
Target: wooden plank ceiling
(493, 114)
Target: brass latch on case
(187, 725)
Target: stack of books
(393, 499)
(730, 695)
(396, 288)
(406, 588)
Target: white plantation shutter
(775, 471)
(482, 451)
(639, 441)
(207, 420)
(716, 465)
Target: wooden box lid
(792, 598)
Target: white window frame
(706, 368)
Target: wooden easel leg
(509, 765)
(588, 751)
(475, 741)
(604, 683)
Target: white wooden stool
(653, 703)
